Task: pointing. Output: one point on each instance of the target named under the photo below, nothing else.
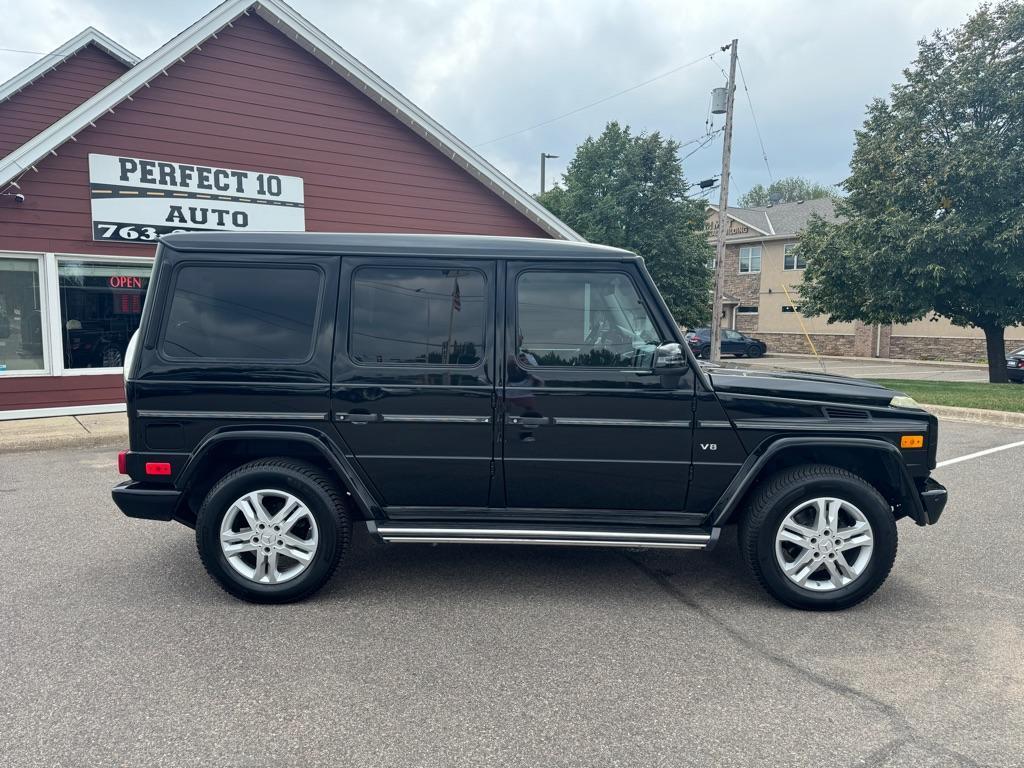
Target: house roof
(283, 17)
(59, 55)
(784, 219)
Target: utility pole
(723, 206)
(544, 156)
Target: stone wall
(796, 343)
(939, 348)
(746, 323)
(745, 289)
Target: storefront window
(100, 309)
(21, 321)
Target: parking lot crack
(904, 730)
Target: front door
(413, 394)
(586, 427)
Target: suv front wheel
(818, 537)
(273, 531)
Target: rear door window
(243, 312)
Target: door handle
(529, 421)
(359, 418)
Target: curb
(96, 430)
(977, 415)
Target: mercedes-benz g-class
(283, 388)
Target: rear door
(586, 428)
(234, 339)
(413, 393)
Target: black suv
(733, 343)
(284, 388)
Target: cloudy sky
(487, 68)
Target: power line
(757, 128)
(681, 67)
(704, 141)
(18, 50)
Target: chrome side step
(564, 537)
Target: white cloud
(485, 68)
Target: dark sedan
(1015, 365)
(733, 343)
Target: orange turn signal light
(912, 441)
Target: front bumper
(933, 500)
(146, 501)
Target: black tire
(307, 483)
(780, 494)
(754, 350)
(705, 352)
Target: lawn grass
(963, 394)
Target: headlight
(902, 401)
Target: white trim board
(282, 16)
(67, 410)
(61, 54)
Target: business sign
(135, 199)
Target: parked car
(1015, 366)
(284, 388)
(733, 343)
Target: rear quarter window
(243, 312)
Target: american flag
(456, 297)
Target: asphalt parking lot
(117, 649)
(866, 369)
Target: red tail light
(122, 463)
(158, 468)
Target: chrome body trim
(558, 542)
(254, 415)
(376, 418)
(401, 531)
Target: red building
(249, 119)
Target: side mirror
(670, 358)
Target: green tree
(934, 220)
(629, 191)
(787, 190)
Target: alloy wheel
(824, 544)
(269, 536)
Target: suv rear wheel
(818, 538)
(273, 531)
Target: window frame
(168, 304)
(561, 269)
(786, 253)
(43, 271)
(57, 322)
(760, 259)
(375, 264)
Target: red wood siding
(22, 392)
(252, 99)
(44, 101)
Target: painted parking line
(979, 454)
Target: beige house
(762, 295)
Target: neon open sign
(125, 281)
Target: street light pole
(723, 206)
(544, 156)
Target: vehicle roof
(368, 244)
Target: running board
(694, 538)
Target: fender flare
(751, 470)
(326, 447)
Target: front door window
(583, 319)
